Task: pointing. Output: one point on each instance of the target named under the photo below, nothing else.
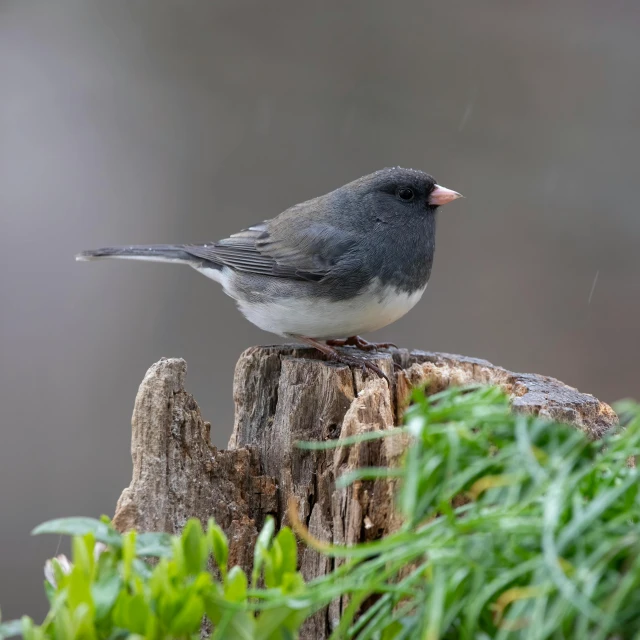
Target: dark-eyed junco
(349, 262)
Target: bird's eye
(406, 194)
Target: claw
(347, 359)
(376, 369)
(360, 343)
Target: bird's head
(399, 191)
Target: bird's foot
(360, 343)
(348, 359)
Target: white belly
(323, 319)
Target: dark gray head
(392, 214)
(397, 194)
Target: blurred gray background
(158, 121)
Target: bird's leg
(343, 358)
(360, 343)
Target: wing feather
(296, 244)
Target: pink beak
(441, 195)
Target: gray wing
(289, 246)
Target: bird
(326, 270)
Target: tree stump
(288, 393)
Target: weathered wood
(178, 475)
(530, 392)
(288, 393)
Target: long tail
(151, 253)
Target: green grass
(544, 545)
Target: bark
(288, 393)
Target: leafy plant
(514, 527)
(108, 591)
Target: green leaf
(78, 589)
(235, 586)
(271, 623)
(154, 631)
(434, 611)
(28, 628)
(270, 572)
(131, 612)
(392, 631)
(62, 624)
(292, 583)
(178, 556)
(349, 440)
(50, 592)
(214, 605)
(242, 626)
(82, 553)
(59, 575)
(367, 473)
(154, 544)
(159, 581)
(169, 603)
(189, 617)
(79, 526)
(239, 625)
(282, 559)
(203, 583)
(261, 548)
(128, 554)
(194, 547)
(105, 593)
(219, 547)
(83, 623)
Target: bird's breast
(324, 318)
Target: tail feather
(151, 253)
